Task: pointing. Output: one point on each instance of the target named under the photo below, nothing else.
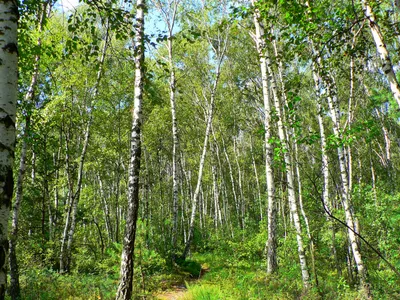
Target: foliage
(78, 90)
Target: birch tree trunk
(220, 52)
(290, 180)
(241, 202)
(285, 140)
(257, 180)
(124, 291)
(235, 198)
(8, 102)
(272, 261)
(387, 66)
(323, 79)
(200, 173)
(324, 155)
(345, 195)
(74, 195)
(168, 11)
(15, 292)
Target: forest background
(258, 138)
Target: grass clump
(203, 292)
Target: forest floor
(179, 291)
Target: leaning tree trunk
(74, 196)
(221, 49)
(199, 176)
(124, 291)
(8, 102)
(345, 193)
(272, 243)
(387, 66)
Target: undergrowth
(234, 270)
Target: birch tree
(43, 13)
(272, 261)
(168, 10)
(74, 193)
(124, 291)
(387, 66)
(218, 44)
(324, 79)
(8, 101)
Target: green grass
(45, 284)
(228, 277)
(247, 279)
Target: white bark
(387, 66)
(8, 101)
(124, 291)
(200, 175)
(14, 272)
(323, 78)
(235, 198)
(290, 181)
(324, 155)
(345, 195)
(272, 261)
(241, 202)
(329, 83)
(74, 195)
(257, 181)
(220, 50)
(168, 11)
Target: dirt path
(176, 293)
(179, 291)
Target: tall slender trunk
(169, 15)
(272, 243)
(217, 211)
(74, 195)
(220, 189)
(106, 211)
(387, 66)
(219, 50)
(303, 213)
(175, 145)
(324, 155)
(29, 97)
(345, 193)
(199, 176)
(257, 181)
(124, 291)
(8, 102)
(235, 197)
(290, 178)
(323, 78)
(241, 202)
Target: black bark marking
(7, 120)
(4, 147)
(7, 178)
(9, 187)
(2, 256)
(11, 47)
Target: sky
(68, 4)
